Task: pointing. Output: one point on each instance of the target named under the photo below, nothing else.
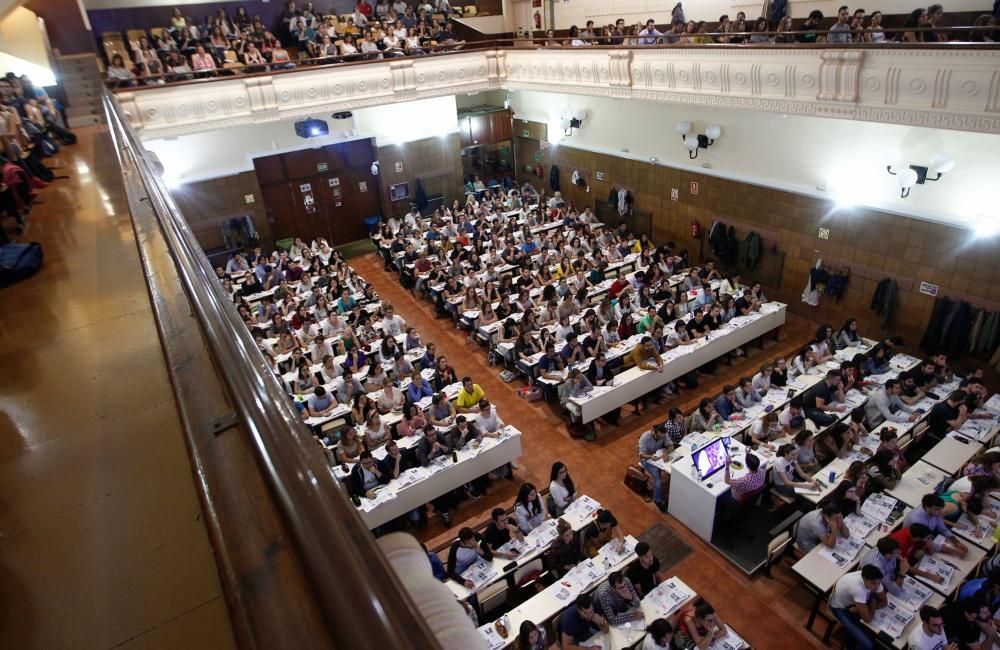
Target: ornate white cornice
(950, 89)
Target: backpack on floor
(637, 480)
(19, 261)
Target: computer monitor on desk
(711, 458)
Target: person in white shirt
(659, 633)
(392, 324)
(929, 635)
(855, 598)
(487, 419)
(561, 488)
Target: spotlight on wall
(984, 226)
(698, 141)
(572, 119)
(311, 128)
(907, 177)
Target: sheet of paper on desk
(933, 565)
(667, 597)
(543, 534)
(411, 476)
(382, 495)
(892, 619)
(480, 573)
(583, 507)
(731, 641)
(844, 552)
(801, 490)
(695, 440)
(860, 525)
(969, 530)
(493, 638)
(912, 595)
(611, 553)
(517, 547)
(878, 506)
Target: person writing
(464, 552)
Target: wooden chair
(781, 538)
(230, 60)
(529, 575)
(136, 34)
(493, 597)
(158, 32)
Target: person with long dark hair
(529, 510)
(561, 488)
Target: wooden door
(346, 205)
(500, 128)
(480, 129)
(465, 131)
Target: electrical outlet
(824, 233)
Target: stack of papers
(481, 573)
(613, 552)
(844, 552)
(668, 597)
(382, 495)
(936, 566)
(583, 508)
(860, 526)
(913, 594)
(493, 638)
(892, 619)
(543, 534)
(732, 641)
(878, 506)
(577, 580)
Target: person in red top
(913, 543)
(619, 285)
(364, 8)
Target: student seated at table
(744, 488)
(564, 553)
(529, 510)
(434, 446)
(930, 633)
(746, 394)
(792, 410)
(617, 600)
(824, 526)
(500, 531)
(929, 515)
(599, 532)
(969, 624)
(562, 490)
(855, 598)
(579, 623)
(818, 401)
(366, 476)
(467, 400)
(914, 543)
(948, 415)
(705, 417)
(350, 446)
(805, 444)
(850, 493)
(644, 572)
(531, 637)
(966, 496)
(983, 464)
(446, 376)
(882, 473)
(765, 429)
(442, 412)
(391, 399)
(787, 475)
(698, 625)
(419, 387)
(726, 405)
(321, 403)
(659, 634)
(887, 558)
(652, 444)
(464, 552)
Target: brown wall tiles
(878, 244)
(435, 161)
(206, 204)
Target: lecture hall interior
(485, 324)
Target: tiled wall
(206, 204)
(436, 161)
(872, 243)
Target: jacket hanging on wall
(732, 252)
(989, 335)
(929, 343)
(624, 202)
(717, 238)
(884, 300)
(810, 295)
(837, 284)
(420, 196)
(554, 178)
(613, 199)
(977, 327)
(751, 254)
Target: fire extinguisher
(695, 229)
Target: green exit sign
(525, 133)
(321, 167)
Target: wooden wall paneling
(283, 218)
(269, 169)
(302, 163)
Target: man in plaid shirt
(750, 483)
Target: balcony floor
(101, 536)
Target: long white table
(636, 382)
(448, 475)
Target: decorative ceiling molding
(947, 89)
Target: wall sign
(249, 198)
(694, 188)
(308, 199)
(305, 187)
(322, 167)
(544, 144)
(336, 193)
(334, 182)
(525, 133)
(675, 194)
(363, 186)
(599, 176)
(399, 167)
(538, 156)
(929, 289)
(337, 204)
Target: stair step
(87, 120)
(83, 110)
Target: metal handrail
(363, 602)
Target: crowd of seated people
(316, 321)
(857, 26)
(187, 49)
(33, 128)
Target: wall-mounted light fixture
(907, 177)
(700, 141)
(572, 119)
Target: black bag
(19, 261)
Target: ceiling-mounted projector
(343, 115)
(311, 128)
